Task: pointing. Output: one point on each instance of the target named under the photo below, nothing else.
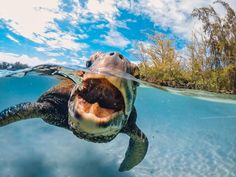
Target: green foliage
(159, 62)
(15, 66)
(211, 64)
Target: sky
(69, 31)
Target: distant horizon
(68, 32)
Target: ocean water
(188, 137)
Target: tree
(221, 41)
(159, 59)
(211, 64)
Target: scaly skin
(63, 106)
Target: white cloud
(61, 40)
(83, 36)
(78, 62)
(40, 49)
(172, 13)
(55, 61)
(54, 54)
(29, 17)
(25, 59)
(105, 9)
(12, 38)
(35, 20)
(101, 26)
(56, 39)
(97, 10)
(115, 39)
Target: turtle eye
(135, 71)
(121, 56)
(88, 63)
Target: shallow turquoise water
(187, 137)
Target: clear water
(188, 137)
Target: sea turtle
(95, 109)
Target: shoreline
(174, 84)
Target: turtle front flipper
(138, 144)
(22, 111)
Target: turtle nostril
(88, 63)
(121, 56)
(112, 53)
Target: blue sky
(69, 31)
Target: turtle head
(100, 106)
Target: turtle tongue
(93, 108)
(99, 111)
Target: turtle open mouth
(99, 100)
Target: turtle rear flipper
(22, 111)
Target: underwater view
(187, 136)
